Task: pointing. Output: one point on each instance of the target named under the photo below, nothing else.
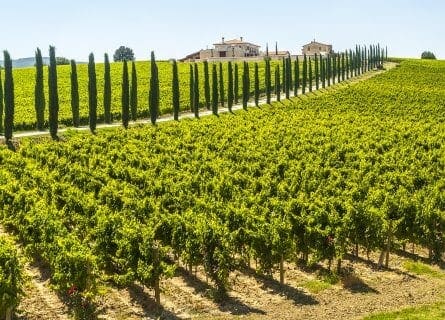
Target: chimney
(222, 39)
(241, 38)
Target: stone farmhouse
(317, 48)
(226, 50)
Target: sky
(176, 28)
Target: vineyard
(312, 179)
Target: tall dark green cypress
(134, 92)
(230, 97)
(246, 85)
(8, 96)
(236, 85)
(323, 71)
(207, 85)
(277, 82)
(222, 97)
(283, 75)
(267, 79)
(338, 69)
(74, 95)
(317, 73)
(310, 75)
(288, 77)
(191, 87)
(304, 75)
(328, 70)
(196, 91)
(346, 65)
(257, 85)
(215, 90)
(343, 66)
(107, 89)
(92, 93)
(125, 96)
(297, 77)
(334, 68)
(175, 91)
(154, 90)
(2, 107)
(39, 92)
(53, 94)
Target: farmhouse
(226, 50)
(317, 48)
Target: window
(308, 48)
(319, 48)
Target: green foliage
(277, 83)
(39, 92)
(257, 85)
(134, 92)
(107, 90)
(304, 84)
(428, 55)
(230, 97)
(8, 97)
(215, 89)
(2, 106)
(207, 85)
(191, 87)
(196, 91)
(53, 94)
(74, 94)
(296, 77)
(11, 278)
(175, 90)
(222, 96)
(92, 93)
(125, 95)
(123, 54)
(268, 80)
(420, 268)
(154, 90)
(311, 80)
(246, 85)
(236, 84)
(430, 312)
(61, 61)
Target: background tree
(196, 91)
(296, 77)
(246, 85)
(53, 94)
(8, 96)
(303, 88)
(206, 84)
(277, 83)
(123, 54)
(230, 89)
(236, 85)
(215, 90)
(92, 93)
(221, 85)
(125, 96)
(39, 92)
(317, 72)
(107, 90)
(2, 109)
(257, 85)
(154, 90)
(176, 94)
(62, 61)
(74, 95)
(428, 55)
(310, 75)
(134, 92)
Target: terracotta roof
(235, 41)
(318, 43)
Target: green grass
(316, 286)
(421, 269)
(429, 312)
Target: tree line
(316, 71)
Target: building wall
(316, 48)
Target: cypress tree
(125, 96)
(53, 94)
(351, 63)
(310, 75)
(236, 84)
(297, 77)
(246, 85)
(338, 69)
(8, 96)
(2, 109)
(346, 65)
(317, 73)
(74, 95)
(343, 67)
(334, 68)
(207, 84)
(221, 85)
(323, 72)
(175, 90)
(283, 76)
(191, 87)
(196, 91)
(92, 93)
(267, 79)
(154, 91)
(328, 69)
(304, 74)
(277, 83)
(215, 90)
(39, 93)
(257, 85)
(107, 90)
(288, 77)
(134, 92)
(230, 97)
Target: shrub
(428, 55)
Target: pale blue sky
(175, 28)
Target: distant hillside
(26, 62)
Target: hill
(25, 62)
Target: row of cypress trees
(332, 68)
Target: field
(300, 196)
(25, 79)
